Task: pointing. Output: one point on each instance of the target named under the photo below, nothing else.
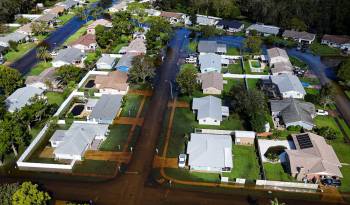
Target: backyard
(54, 98)
(323, 50)
(186, 175)
(131, 106)
(231, 83)
(276, 172)
(234, 68)
(245, 163)
(252, 83)
(233, 51)
(116, 138)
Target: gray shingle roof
(208, 150)
(211, 80)
(126, 60)
(207, 20)
(69, 55)
(106, 108)
(292, 110)
(210, 61)
(261, 28)
(15, 36)
(106, 59)
(299, 35)
(21, 97)
(288, 82)
(211, 47)
(78, 137)
(208, 107)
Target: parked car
(321, 112)
(331, 182)
(182, 160)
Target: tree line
(320, 16)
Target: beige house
(312, 158)
(113, 83)
(212, 83)
(244, 137)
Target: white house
(337, 41)
(207, 20)
(21, 97)
(209, 110)
(279, 61)
(210, 62)
(210, 153)
(289, 86)
(300, 37)
(69, 56)
(85, 43)
(244, 137)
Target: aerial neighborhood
(106, 90)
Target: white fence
(248, 76)
(231, 57)
(218, 132)
(22, 165)
(279, 185)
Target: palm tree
(43, 53)
(81, 13)
(275, 202)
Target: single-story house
(279, 61)
(57, 10)
(265, 30)
(270, 89)
(72, 144)
(21, 97)
(125, 62)
(313, 158)
(337, 41)
(172, 17)
(26, 29)
(203, 20)
(103, 22)
(107, 61)
(300, 37)
(85, 43)
(106, 109)
(113, 83)
(45, 80)
(69, 56)
(49, 18)
(244, 137)
(212, 83)
(210, 153)
(205, 47)
(15, 36)
(230, 25)
(289, 86)
(209, 110)
(68, 4)
(293, 112)
(210, 62)
(119, 6)
(137, 46)
(152, 12)
(90, 104)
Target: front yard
(116, 139)
(40, 67)
(22, 49)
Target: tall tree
(68, 73)
(7, 190)
(28, 194)
(82, 13)
(40, 27)
(43, 53)
(142, 69)
(297, 24)
(253, 43)
(10, 79)
(187, 80)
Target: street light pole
(171, 89)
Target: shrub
(296, 128)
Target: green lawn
(311, 81)
(275, 172)
(297, 62)
(252, 83)
(255, 63)
(193, 46)
(117, 48)
(245, 163)
(95, 167)
(312, 91)
(22, 49)
(183, 174)
(345, 187)
(78, 34)
(344, 126)
(323, 50)
(65, 18)
(233, 68)
(187, 66)
(131, 106)
(117, 137)
(54, 98)
(40, 67)
(328, 121)
(232, 123)
(233, 51)
(231, 83)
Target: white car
(182, 160)
(321, 112)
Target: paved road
(326, 74)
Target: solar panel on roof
(304, 141)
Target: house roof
(207, 20)
(299, 35)
(68, 3)
(245, 134)
(230, 23)
(126, 60)
(211, 47)
(314, 155)
(277, 52)
(261, 28)
(78, 137)
(15, 36)
(293, 110)
(208, 107)
(85, 40)
(210, 60)
(106, 59)
(69, 55)
(92, 102)
(56, 10)
(209, 150)
(47, 17)
(167, 14)
(136, 46)
(107, 107)
(211, 80)
(46, 75)
(114, 80)
(338, 39)
(282, 67)
(21, 97)
(102, 22)
(26, 29)
(287, 83)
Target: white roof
(209, 150)
(245, 134)
(208, 107)
(21, 97)
(261, 28)
(287, 83)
